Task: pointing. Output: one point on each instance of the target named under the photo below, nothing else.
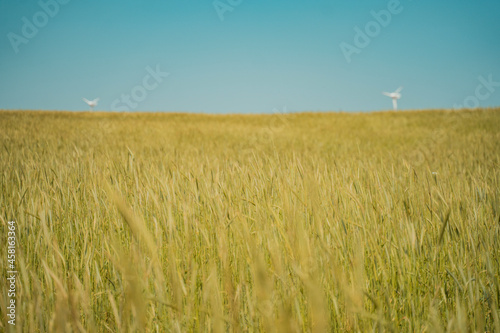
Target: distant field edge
(186, 113)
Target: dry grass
(278, 223)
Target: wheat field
(310, 222)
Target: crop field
(310, 222)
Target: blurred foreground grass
(277, 223)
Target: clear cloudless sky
(264, 55)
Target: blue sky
(251, 56)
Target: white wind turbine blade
(91, 104)
(399, 90)
(386, 93)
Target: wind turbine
(92, 104)
(395, 96)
